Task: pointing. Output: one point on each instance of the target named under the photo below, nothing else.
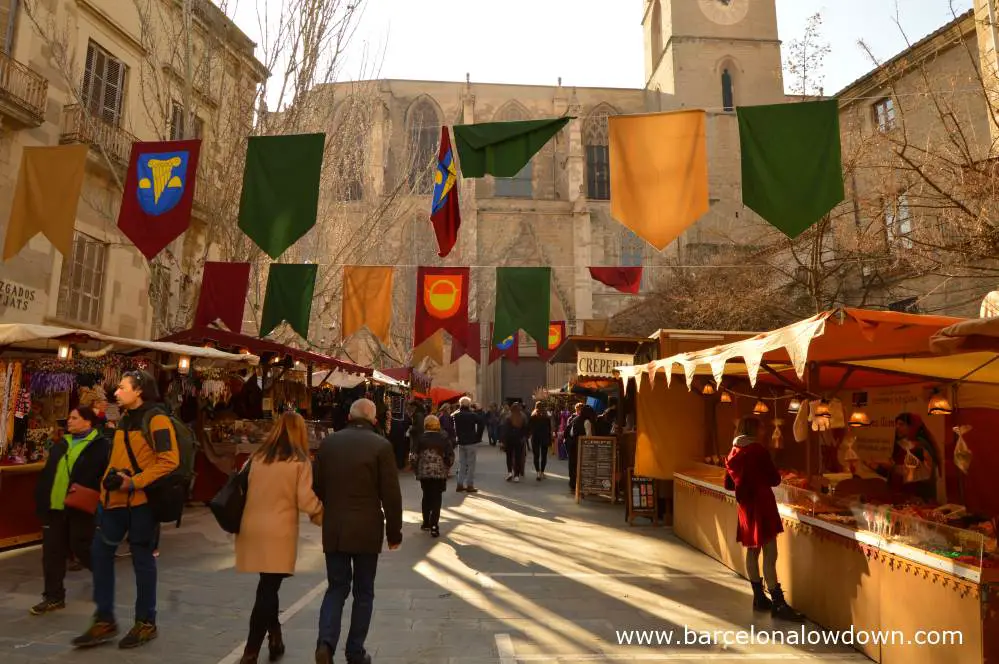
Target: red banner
(508, 349)
(474, 346)
(223, 295)
(623, 279)
(556, 336)
(441, 303)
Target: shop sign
(601, 364)
(18, 302)
(874, 443)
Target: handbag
(82, 498)
(228, 504)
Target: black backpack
(168, 495)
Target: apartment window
(884, 114)
(598, 172)
(81, 285)
(177, 119)
(898, 221)
(519, 186)
(8, 15)
(103, 84)
(909, 305)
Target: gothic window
(425, 132)
(520, 185)
(657, 32)
(597, 154)
(728, 97)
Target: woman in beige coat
(280, 486)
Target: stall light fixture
(726, 396)
(761, 408)
(275, 359)
(939, 404)
(708, 389)
(65, 351)
(860, 418)
(794, 405)
(184, 365)
(822, 410)
(244, 351)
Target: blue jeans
(466, 464)
(345, 571)
(112, 527)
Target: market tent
(439, 395)
(45, 337)
(336, 378)
(419, 382)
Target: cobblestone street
(520, 574)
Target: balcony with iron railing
(23, 92)
(79, 126)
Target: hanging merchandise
(445, 215)
(367, 301)
(473, 345)
(800, 426)
(792, 171)
(502, 149)
(48, 189)
(777, 438)
(556, 335)
(962, 453)
(523, 299)
(10, 392)
(826, 414)
(223, 295)
(508, 348)
(622, 279)
(658, 173)
(280, 198)
(441, 303)
(288, 298)
(159, 193)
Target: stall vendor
(915, 461)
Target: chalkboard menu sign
(643, 498)
(596, 467)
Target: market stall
(885, 450)
(47, 371)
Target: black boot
(760, 600)
(275, 643)
(781, 609)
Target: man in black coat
(357, 480)
(468, 428)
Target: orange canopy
(441, 395)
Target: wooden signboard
(643, 498)
(596, 467)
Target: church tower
(713, 54)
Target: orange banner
(367, 301)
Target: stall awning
(439, 395)
(202, 335)
(45, 337)
(566, 353)
(419, 382)
(843, 341)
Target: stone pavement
(520, 574)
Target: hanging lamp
(708, 389)
(726, 396)
(794, 405)
(822, 410)
(860, 418)
(761, 408)
(939, 404)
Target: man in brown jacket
(357, 480)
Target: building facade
(104, 73)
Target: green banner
(502, 149)
(289, 297)
(523, 300)
(280, 197)
(792, 171)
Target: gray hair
(364, 409)
(464, 402)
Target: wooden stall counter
(19, 524)
(843, 578)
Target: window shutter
(87, 89)
(113, 84)
(177, 122)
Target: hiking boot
(760, 600)
(471, 489)
(101, 631)
(46, 606)
(460, 488)
(324, 655)
(780, 609)
(275, 644)
(142, 632)
(363, 658)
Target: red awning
(233, 341)
(441, 395)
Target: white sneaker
(517, 478)
(509, 476)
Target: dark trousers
(433, 495)
(515, 457)
(540, 453)
(570, 448)
(65, 532)
(266, 608)
(113, 525)
(348, 572)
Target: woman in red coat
(752, 475)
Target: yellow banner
(45, 200)
(432, 347)
(658, 173)
(367, 301)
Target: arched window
(597, 153)
(657, 32)
(425, 133)
(728, 96)
(520, 185)
(349, 141)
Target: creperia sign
(600, 364)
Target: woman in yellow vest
(78, 460)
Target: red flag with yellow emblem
(556, 335)
(441, 303)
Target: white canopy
(346, 380)
(45, 337)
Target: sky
(535, 42)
